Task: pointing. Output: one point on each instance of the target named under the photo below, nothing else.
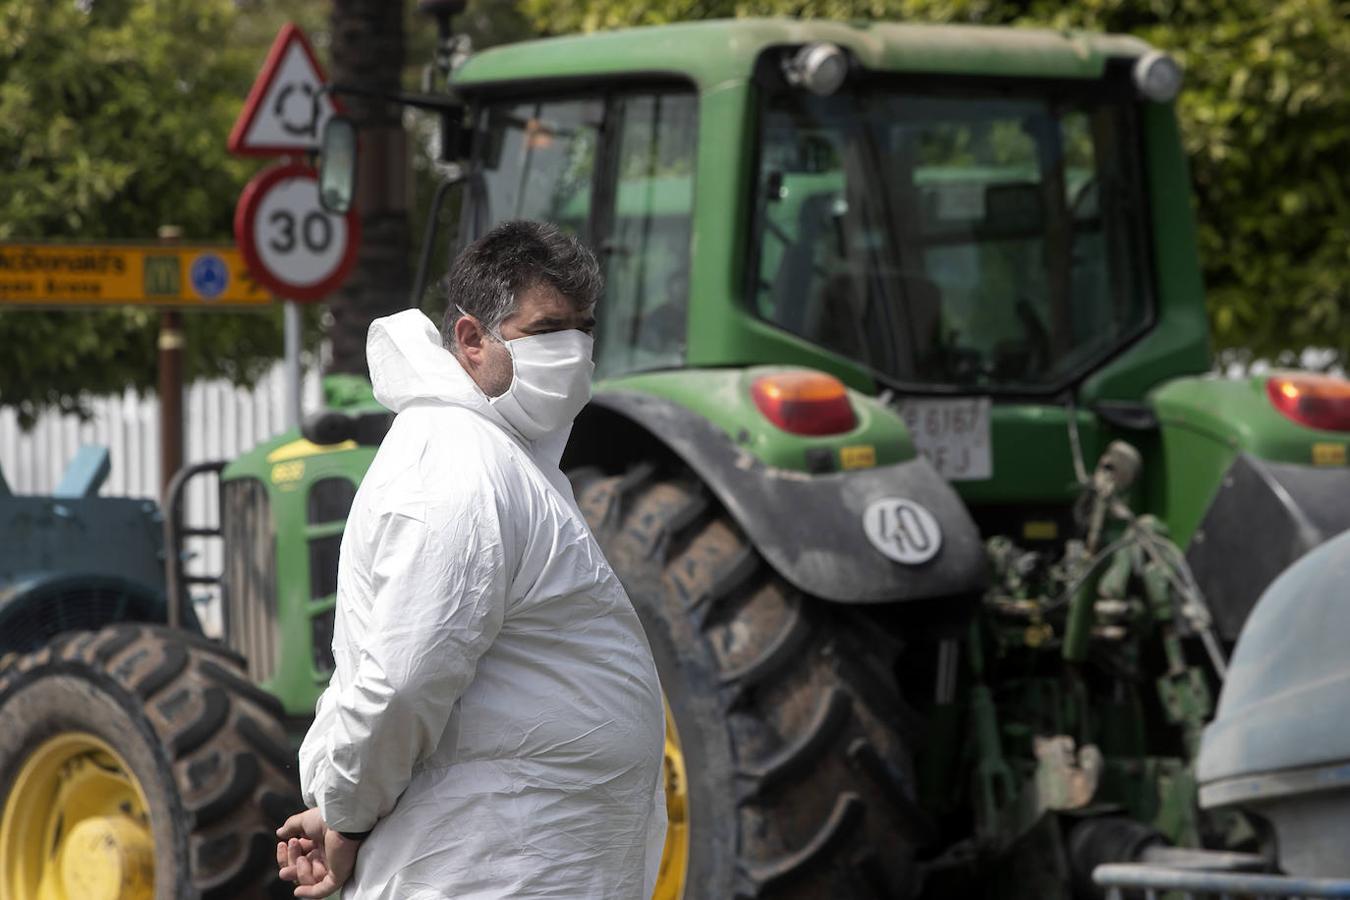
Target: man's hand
(317, 858)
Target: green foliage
(1266, 120)
(115, 118)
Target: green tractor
(904, 445)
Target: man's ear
(469, 339)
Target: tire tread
(221, 735)
(792, 706)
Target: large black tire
(205, 744)
(795, 738)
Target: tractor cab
(893, 202)
(993, 235)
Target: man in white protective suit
(494, 726)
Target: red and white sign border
(288, 33)
(249, 200)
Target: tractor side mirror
(337, 165)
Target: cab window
(616, 169)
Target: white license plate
(953, 434)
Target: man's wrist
(355, 835)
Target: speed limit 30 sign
(292, 245)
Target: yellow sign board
(201, 275)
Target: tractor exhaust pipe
(447, 43)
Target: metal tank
(1279, 745)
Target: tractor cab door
(615, 168)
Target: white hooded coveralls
(495, 714)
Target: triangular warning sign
(284, 112)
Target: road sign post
(291, 244)
(295, 248)
(171, 343)
(293, 333)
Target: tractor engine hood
(1279, 744)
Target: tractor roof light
(819, 66)
(1314, 401)
(1157, 76)
(811, 403)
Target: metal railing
(1124, 881)
(176, 578)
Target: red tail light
(804, 402)
(1317, 401)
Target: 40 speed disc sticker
(902, 530)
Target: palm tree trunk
(368, 50)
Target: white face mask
(551, 383)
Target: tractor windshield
(952, 240)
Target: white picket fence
(221, 420)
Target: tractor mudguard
(808, 527)
(1264, 517)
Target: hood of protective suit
(494, 716)
(409, 365)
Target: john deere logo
(902, 530)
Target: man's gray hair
(494, 270)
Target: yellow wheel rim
(675, 857)
(75, 826)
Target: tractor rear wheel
(137, 763)
(792, 741)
